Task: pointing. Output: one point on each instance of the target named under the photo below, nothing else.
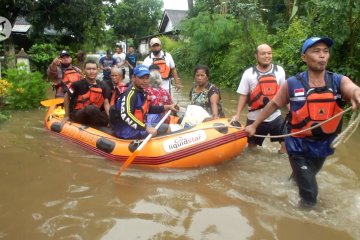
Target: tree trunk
(9, 49)
(190, 5)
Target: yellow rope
(348, 131)
(341, 138)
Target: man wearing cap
(133, 106)
(314, 96)
(166, 63)
(56, 72)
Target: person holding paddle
(315, 96)
(133, 107)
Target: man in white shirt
(120, 56)
(257, 87)
(166, 63)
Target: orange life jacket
(315, 106)
(265, 90)
(70, 75)
(173, 119)
(140, 112)
(164, 68)
(117, 92)
(93, 96)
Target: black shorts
(272, 128)
(90, 115)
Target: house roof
(21, 25)
(172, 16)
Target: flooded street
(51, 188)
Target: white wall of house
(169, 27)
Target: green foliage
(4, 115)
(226, 49)
(131, 42)
(42, 54)
(27, 90)
(268, 21)
(61, 16)
(202, 6)
(10, 9)
(340, 21)
(169, 44)
(204, 42)
(108, 40)
(135, 18)
(184, 58)
(287, 46)
(71, 23)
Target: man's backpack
(164, 68)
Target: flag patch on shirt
(299, 92)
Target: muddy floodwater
(51, 188)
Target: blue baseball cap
(313, 40)
(141, 70)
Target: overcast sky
(175, 4)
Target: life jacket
(70, 75)
(141, 111)
(93, 96)
(117, 93)
(310, 106)
(173, 119)
(164, 68)
(264, 91)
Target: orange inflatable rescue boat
(205, 144)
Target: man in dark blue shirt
(131, 60)
(106, 63)
(134, 106)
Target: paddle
(52, 102)
(137, 151)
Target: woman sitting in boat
(117, 85)
(87, 101)
(133, 107)
(206, 94)
(157, 94)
